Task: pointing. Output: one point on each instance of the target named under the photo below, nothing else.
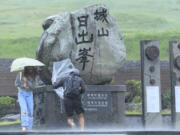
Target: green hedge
(134, 91)
(6, 103)
(166, 100)
(133, 95)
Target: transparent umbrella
(19, 63)
(62, 69)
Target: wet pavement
(60, 132)
(16, 130)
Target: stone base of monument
(104, 107)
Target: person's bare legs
(81, 121)
(71, 122)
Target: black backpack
(71, 88)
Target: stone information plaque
(97, 101)
(153, 104)
(177, 98)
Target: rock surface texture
(90, 37)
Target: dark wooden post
(174, 51)
(150, 77)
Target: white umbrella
(19, 63)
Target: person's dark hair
(28, 73)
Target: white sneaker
(73, 126)
(24, 129)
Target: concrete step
(90, 133)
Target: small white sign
(152, 95)
(177, 98)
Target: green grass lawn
(20, 23)
(4, 123)
(163, 112)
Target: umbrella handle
(20, 76)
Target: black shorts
(73, 105)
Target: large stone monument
(90, 37)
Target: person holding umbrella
(25, 83)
